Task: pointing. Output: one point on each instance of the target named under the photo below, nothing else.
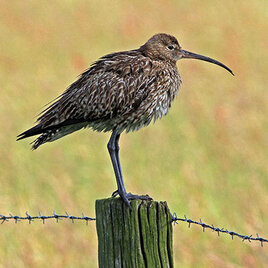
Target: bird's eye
(170, 47)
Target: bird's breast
(158, 101)
(167, 88)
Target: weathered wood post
(138, 238)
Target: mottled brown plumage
(122, 91)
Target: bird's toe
(131, 196)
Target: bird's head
(166, 47)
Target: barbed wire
(175, 219)
(249, 238)
(55, 216)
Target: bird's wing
(114, 85)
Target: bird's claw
(115, 193)
(129, 196)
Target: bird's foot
(129, 196)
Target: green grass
(207, 158)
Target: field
(208, 158)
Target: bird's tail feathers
(40, 140)
(30, 132)
(47, 134)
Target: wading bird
(122, 91)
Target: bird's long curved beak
(189, 55)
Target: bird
(120, 92)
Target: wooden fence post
(138, 238)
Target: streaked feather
(123, 90)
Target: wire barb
(249, 238)
(55, 216)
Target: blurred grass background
(207, 158)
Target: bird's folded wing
(111, 87)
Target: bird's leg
(117, 155)
(126, 196)
(113, 149)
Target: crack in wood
(141, 237)
(158, 233)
